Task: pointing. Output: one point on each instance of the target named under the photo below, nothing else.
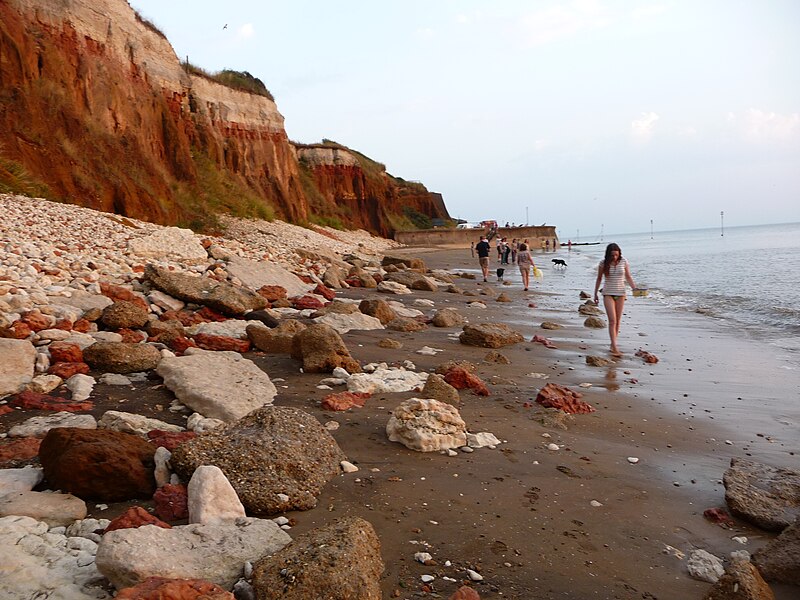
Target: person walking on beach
(482, 248)
(616, 272)
(472, 249)
(525, 264)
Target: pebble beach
(509, 499)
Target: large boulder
(277, 340)
(554, 395)
(448, 317)
(16, 366)
(340, 560)
(741, 581)
(779, 560)
(436, 388)
(219, 385)
(343, 323)
(170, 242)
(96, 464)
(223, 297)
(215, 553)
(414, 281)
(409, 262)
(57, 510)
(276, 458)
(379, 309)
(768, 497)
(427, 426)
(121, 357)
(124, 314)
(212, 498)
(321, 349)
(489, 335)
(256, 274)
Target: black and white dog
(560, 263)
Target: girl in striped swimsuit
(616, 271)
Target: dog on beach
(500, 272)
(560, 263)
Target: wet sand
(521, 514)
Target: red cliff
(97, 110)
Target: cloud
(564, 20)
(425, 32)
(642, 128)
(245, 32)
(759, 125)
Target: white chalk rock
(220, 385)
(114, 379)
(427, 425)
(39, 426)
(354, 321)
(172, 243)
(383, 380)
(482, 440)
(216, 553)
(17, 360)
(235, 328)
(38, 563)
(161, 470)
(165, 301)
(133, 423)
(392, 287)
(44, 384)
(705, 566)
(200, 424)
(53, 509)
(81, 386)
(212, 499)
(19, 480)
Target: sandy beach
(582, 521)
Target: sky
(589, 115)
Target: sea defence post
(461, 238)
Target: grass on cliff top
(217, 193)
(15, 179)
(237, 80)
(149, 24)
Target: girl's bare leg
(526, 275)
(613, 323)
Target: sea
(746, 278)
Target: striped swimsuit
(614, 284)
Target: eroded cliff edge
(96, 109)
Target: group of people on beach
(612, 273)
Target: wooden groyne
(461, 238)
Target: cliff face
(361, 192)
(95, 104)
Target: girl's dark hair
(607, 260)
(523, 246)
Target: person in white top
(616, 272)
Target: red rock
(65, 370)
(82, 326)
(169, 439)
(64, 324)
(5, 409)
(325, 292)
(17, 331)
(131, 336)
(553, 395)
(272, 292)
(354, 282)
(719, 516)
(463, 593)
(135, 516)
(171, 502)
(462, 379)
(36, 401)
(98, 464)
(647, 356)
(36, 320)
(538, 339)
(65, 352)
(18, 449)
(117, 292)
(210, 314)
(221, 342)
(344, 400)
(180, 344)
(159, 588)
(305, 278)
(377, 277)
(303, 302)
